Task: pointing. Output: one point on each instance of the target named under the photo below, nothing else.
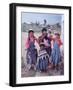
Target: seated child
(43, 59)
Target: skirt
(56, 55)
(43, 62)
(31, 56)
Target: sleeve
(27, 44)
(36, 39)
(60, 43)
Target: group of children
(48, 53)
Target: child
(43, 58)
(46, 40)
(56, 55)
(31, 55)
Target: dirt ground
(25, 72)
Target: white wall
(4, 43)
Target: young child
(43, 58)
(56, 55)
(31, 55)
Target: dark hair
(44, 29)
(57, 34)
(30, 31)
(49, 32)
(41, 44)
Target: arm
(36, 40)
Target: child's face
(44, 33)
(41, 47)
(31, 34)
(57, 36)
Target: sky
(33, 17)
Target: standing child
(56, 55)
(46, 40)
(43, 58)
(31, 55)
